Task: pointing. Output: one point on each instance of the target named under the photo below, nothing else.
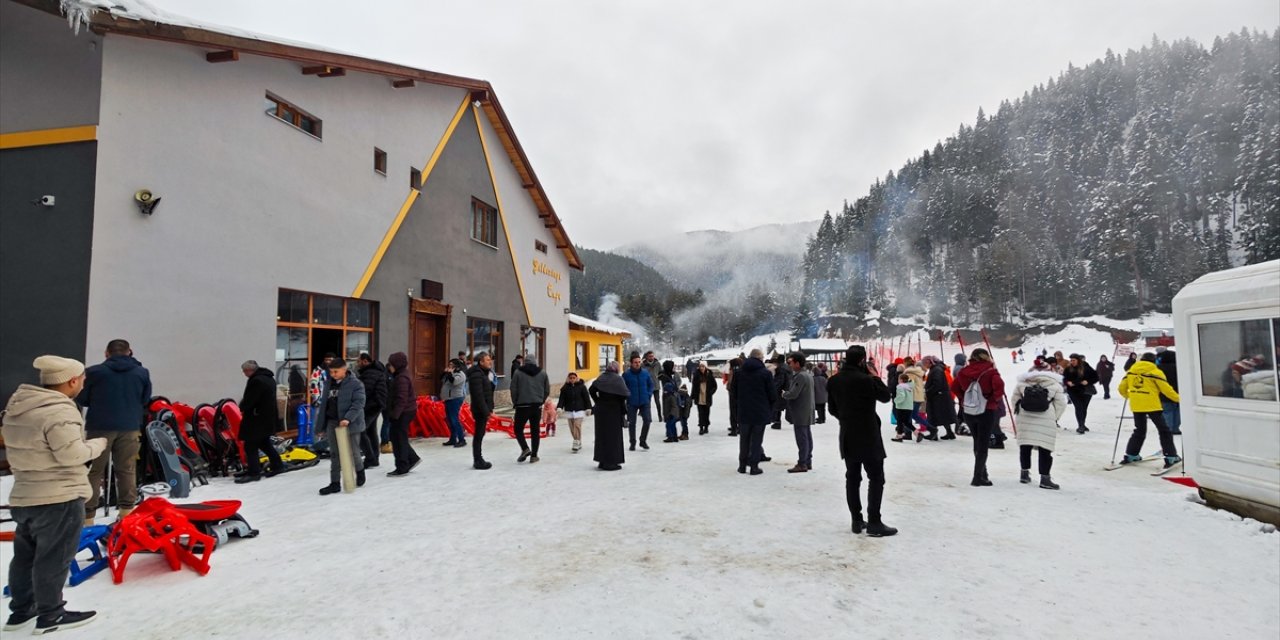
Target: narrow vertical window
(380, 161)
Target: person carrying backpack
(981, 390)
(1038, 401)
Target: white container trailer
(1228, 328)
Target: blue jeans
(915, 413)
(1172, 415)
(452, 408)
(643, 410)
(671, 426)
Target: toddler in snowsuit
(684, 402)
(670, 410)
(904, 396)
(549, 416)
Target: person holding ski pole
(1143, 386)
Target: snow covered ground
(678, 545)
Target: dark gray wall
(50, 77)
(44, 255)
(434, 242)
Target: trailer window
(1238, 359)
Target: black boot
(878, 529)
(482, 464)
(332, 488)
(1026, 476)
(1047, 483)
(858, 524)
(524, 455)
(360, 478)
(950, 434)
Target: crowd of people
(77, 417)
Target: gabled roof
(139, 19)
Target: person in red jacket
(984, 418)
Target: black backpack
(1035, 398)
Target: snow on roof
(80, 13)
(823, 344)
(592, 325)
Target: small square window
(380, 161)
(415, 178)
(541, 246)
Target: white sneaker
(577, 446)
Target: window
(380, 161)
(1237, 359)
(484, 223)
(581, 359)
(415, 178)
(308, 325)
(540, 246)
(608, 353)
(485, 335)
(288, 113)
(533, 342)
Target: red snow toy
(157, 526)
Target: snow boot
(1047, 483)
(524, 455)
(1128, 458)
(1026, 477)
(858, 524)
(1169, 461)
(332, 488)
(877, 529)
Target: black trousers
(822, 413)
(657, 401)
(980, 427)
(704, 415)
(404, 454)
(477, 438)
(1081, 403)
(531, 415)
(43, 546)
(369, 438)
(733, 416)
(750, 445)
(1046, 458)
(263, 444)
(1134, 447)
(854, 465)
(1106, 389)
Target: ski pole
(1119, 426)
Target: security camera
(47, 201)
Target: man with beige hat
(44, 439)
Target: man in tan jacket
(44, 439)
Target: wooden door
(426, 356)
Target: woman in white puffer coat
(1038, 428)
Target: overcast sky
(650, 118)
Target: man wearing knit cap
(116, 393)
(44, 439)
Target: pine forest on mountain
(1101, 192)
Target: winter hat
(1040, 364)
(1148, 357)
(961, 359)
(55, 370)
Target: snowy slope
(679, 545)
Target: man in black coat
(374, 378)
(852, 395)
(480, 383)
(261, 414)
(756, 397)
(781, 382)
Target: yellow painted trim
(45, 137)
(408, 201)
(515, 265)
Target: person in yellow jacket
(1143, 385)
(44, 439)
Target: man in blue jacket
(116, 393)
(756, 399)
(640, 384)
